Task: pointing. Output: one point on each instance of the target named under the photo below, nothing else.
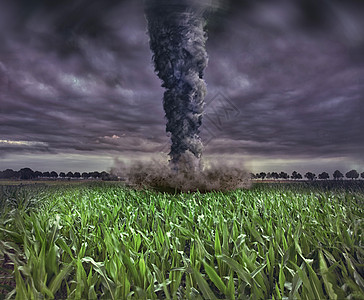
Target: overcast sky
(285, 85)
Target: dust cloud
(192, 175)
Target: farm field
(99, 240)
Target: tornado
(177, 40)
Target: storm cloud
(285, 80)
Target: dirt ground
(7, 280)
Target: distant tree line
(27, 174)
(337, 175)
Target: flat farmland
(98, 240)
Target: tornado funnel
(177, 40)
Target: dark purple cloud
(77, 79)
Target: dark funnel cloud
(177, 39)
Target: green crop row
(113, 242)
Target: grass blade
(203, 285)
(215, 278)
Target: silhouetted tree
(310, 176)
(46, 174)
(62, 174)
(77, 175)
(69, 174)
(362, 175)
(275, 175)
(337, 175)
(26, 173)
(283, 175)
(353, 174)
(324, 176)
(262, 175)
(9, 174)
(54, 174)
(108, 177)
(295, 175)
(38, 174)
(95, 174)
(85, 175)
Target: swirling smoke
(177, 39)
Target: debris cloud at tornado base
(157, 174)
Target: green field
(107, 241)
